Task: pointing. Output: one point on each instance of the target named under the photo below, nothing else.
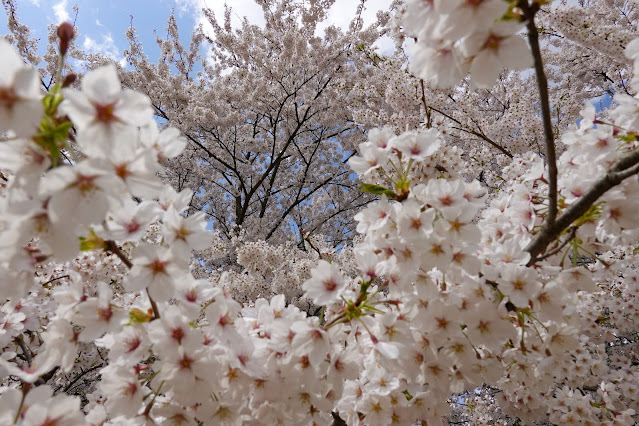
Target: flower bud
(69, 79)
(65, 34)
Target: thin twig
(79, 376)
(479, 134)
(427, 110)
(55, 279)
(154, 306)
(25, 350)
(112, 247)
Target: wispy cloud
(60, 10)
(340, 14)
(106, 47)
(240, 8)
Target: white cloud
(340, 14)
(240, 8)
(106, 47)
(35, 2)
(98, 23)
(343, 11)
(60, 10)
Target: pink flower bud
(65, 34)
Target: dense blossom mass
(484, 272)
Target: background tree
(520, 304)
(267, 118)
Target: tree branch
(79, 376)
(542, 83)
(112, 247)
(625, 167)
(479, 134)
(25, 350)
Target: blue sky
(102, 24)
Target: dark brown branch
(79, 376)
(112, 247)
(427, 110)
(25, 350)
(480, 135)
(154, 306)
(55, 279)
(542, 83)
(46, 376)
(625, 167)
(553, 252)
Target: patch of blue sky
(102, 25)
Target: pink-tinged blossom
(438, 61)
(414, 223)
(79, 197)
(42, 408)
(519, 283)
(488, 324)
(622, 212)
(465, 16)
(61, 345)
(421, 16)
(168, 143)
(186, 233)
(98, 315)
(192, 294)
(446, 196)
(381, 137)
(20, 105)
(222, 317)
(155, 268)
(368, 262)
(325, 285)
(173, 330)
(310, 341)
(104, 112)
(417, 145)
(188, 373)
(125, 391)
(23, 156)
(493, 50)
(371, 158)
(131, 221)
(180, 201)
(374, 216)
(136, 172)
(376, 408)
(127, 347)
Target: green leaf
(138, 316)
(92, 242)
(376, 189)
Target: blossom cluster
(457, 37)
(441, 295)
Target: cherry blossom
(493, 275)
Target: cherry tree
(266, 117)
(494, 278)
